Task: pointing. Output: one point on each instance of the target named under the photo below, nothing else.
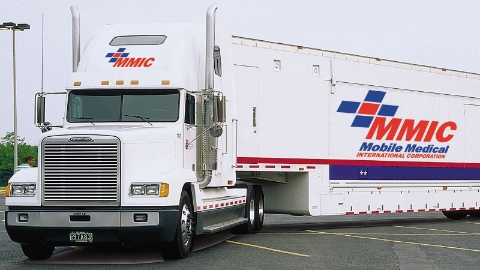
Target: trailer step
(224, 225)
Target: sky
(440, 33)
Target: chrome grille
(81, 172)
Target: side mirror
(40, 111)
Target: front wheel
(37, 252)
(182, 243)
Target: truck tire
(455, 215)
(37, 252)
(182, 243)
(259, 208)
(475, 214)
(250, 214)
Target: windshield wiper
(144, 119)
(85, 118)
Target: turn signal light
(164, 189)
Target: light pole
(14, 27)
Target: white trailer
(171, 131)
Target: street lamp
(14, 27)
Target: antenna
(41, 88)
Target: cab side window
(190, 109)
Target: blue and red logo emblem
(372, 113)
(120, 59)
(366, 111)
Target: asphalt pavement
(387, 241)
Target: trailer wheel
(183, 241)
(259, 208)
(37, 252)
(454, 215)
(250, 214)
(474, 214)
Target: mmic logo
(371, 113)
(121, 59)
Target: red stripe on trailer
(285, 167)
(463, 208)
(310, 167)
(398, 211)
(199, 208)
(270, 166)
(350, 213)
(443, 209)
(471, 208)
(362, 213)
(239, 166)
(432, 210)
(387, 212)
(375, 212)
(210, 206)
(254, 166)
(204, 207)
(315, 161)
(216, 205)
(453, 209)
(421, 210)
(410, 211)
(222, 204)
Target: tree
(6, 154)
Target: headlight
(136, 190)
(16, 190)
(149, 190)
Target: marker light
(164, 189)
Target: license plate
(81, 237)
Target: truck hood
(127, 134)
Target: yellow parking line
(476, 223)
(267, 248)
(397, 241)
(398, 234)
(437, 230)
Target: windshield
(123, 106)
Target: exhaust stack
(208, 148)
(75, 37)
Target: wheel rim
(260, 210)
(252, 212)
(186, 225)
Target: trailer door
(246, 83)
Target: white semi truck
(171, 131)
